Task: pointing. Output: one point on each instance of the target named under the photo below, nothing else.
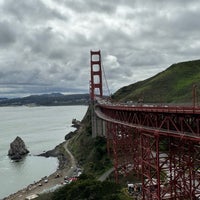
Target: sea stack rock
(17, 149)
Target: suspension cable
(104, 75)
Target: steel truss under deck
(164, 147)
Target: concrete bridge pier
(98, 125)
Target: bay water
(41, 128)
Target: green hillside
(174, 85)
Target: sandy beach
(47, 183)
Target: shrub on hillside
(89, 188)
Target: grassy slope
(90, 152)
(170, 86)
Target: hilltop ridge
(53, 99)
(173, 85)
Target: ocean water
(41, 128)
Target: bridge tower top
(96, 75)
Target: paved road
(105, 175)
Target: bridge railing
(149, 107)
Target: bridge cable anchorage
(106, 82)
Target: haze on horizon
(45, 44)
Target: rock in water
(17, 149)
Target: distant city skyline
(45, 44)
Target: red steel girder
(165, 149)
(169, 168)
(177, 124)
(125, 149)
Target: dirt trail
(53, 180)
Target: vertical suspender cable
(104, 75)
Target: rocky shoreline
(57, 152)
(66, 167)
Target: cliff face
(17, 149)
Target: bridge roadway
(183, 121)
(139, 136)
(175, 133)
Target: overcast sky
(45, 44)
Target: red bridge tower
(96, 75)
(96, 90)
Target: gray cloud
(82, 6)
(31, 10)
(7, 34)
(45, 44)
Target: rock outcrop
(76, 123)
(17, 149)
(58, 152)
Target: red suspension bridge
(159, 143)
